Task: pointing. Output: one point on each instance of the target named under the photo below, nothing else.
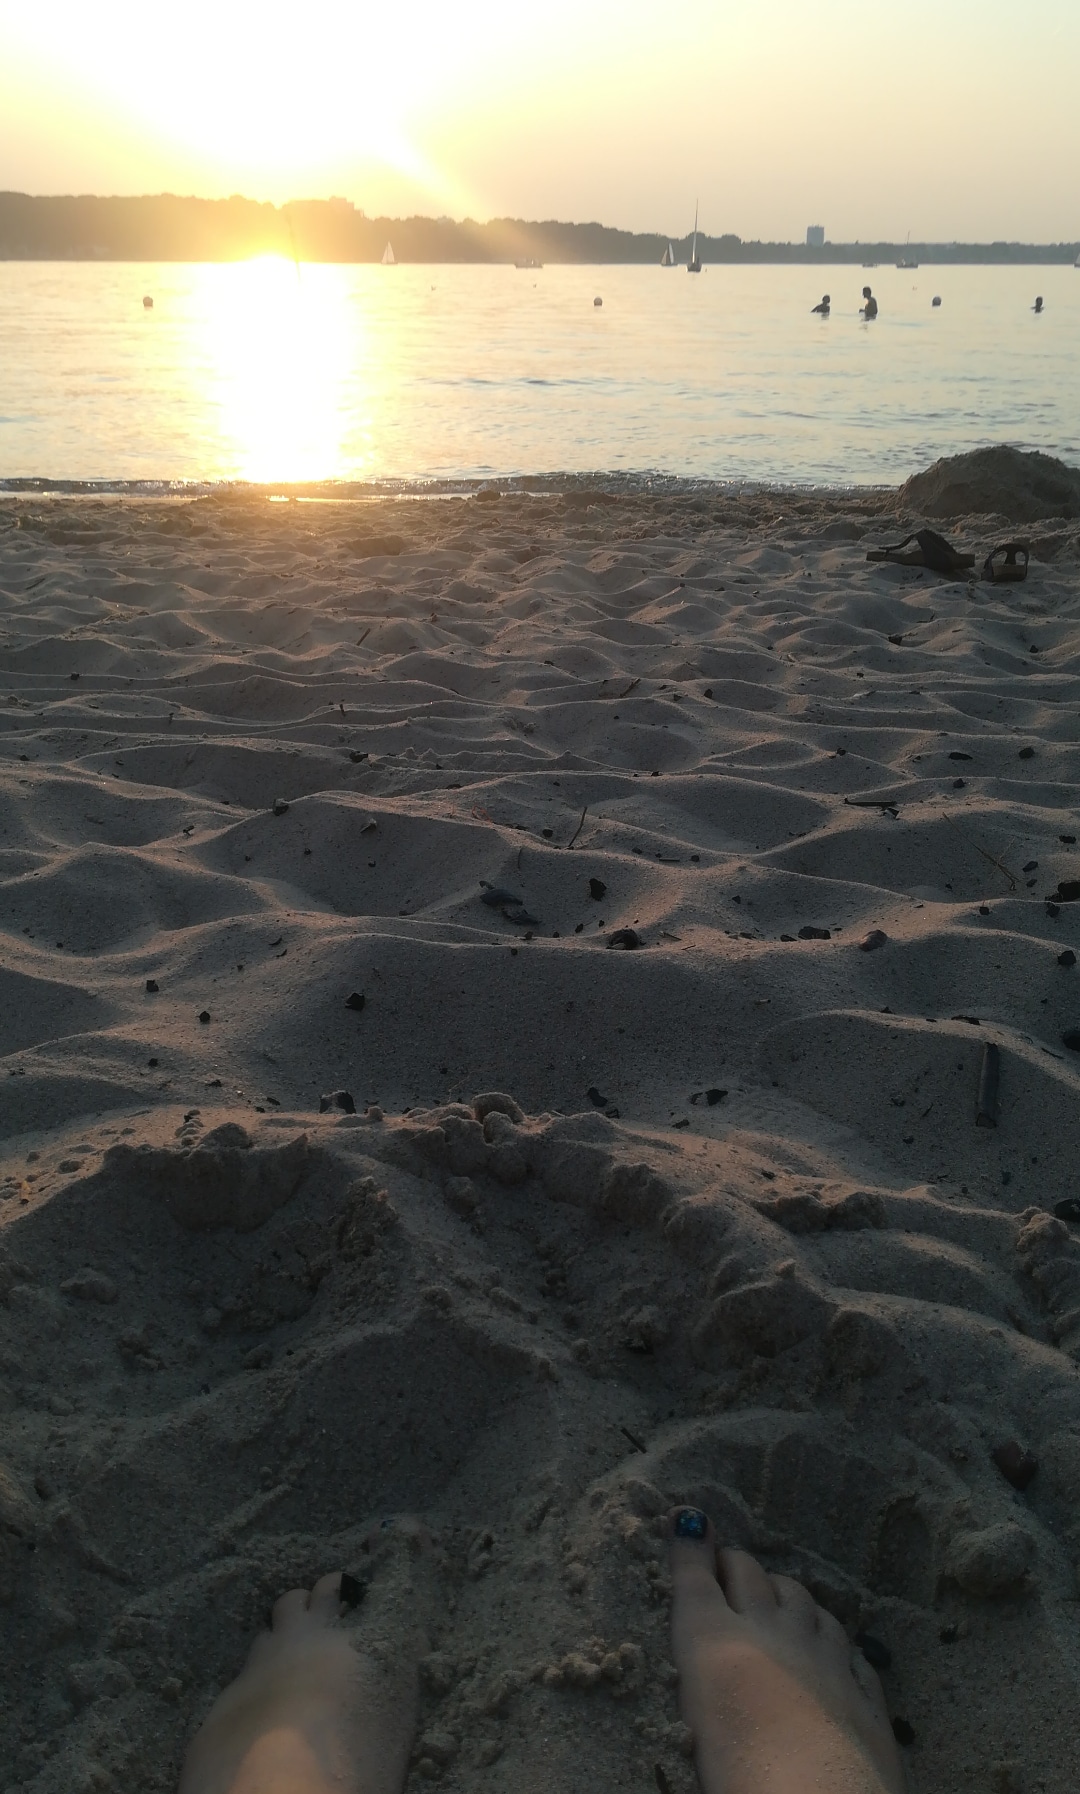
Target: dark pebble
(1052, 909)
(338, 1099)
(949, 1634)
(1069, 840)
(152, 986)
(355, 1001)
(153, 1063)
(984, 909)
(1068, 1209)
(958, 784)
(627, 938)
(73, 675)
(356, 758)
(896, 640)
(1068, 891)
(597, 889)
(814, 934)
(787, 937)
(1032, 866)
(712, 1097)
(1017, 1466)
(1067, 959)
(352, 1590)
(597, 1101)
(878, 1655)
(708, 691)
(280, 806)
(204, 1015)
(1027, 753)
(903, 1732)
(516, 912)
(547, 833)
(958, 756)
(1071, 1039)
(872, 941)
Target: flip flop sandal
(931, 551)
(1010, 569)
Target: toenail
(691, 1523)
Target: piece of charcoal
(1032, 866)
(152, 986)
(204, 1015)
(903, 1732)
(958, 756)
(279, 806)
(625, 937)
(809, 933)
(597, 889)
(872, 941)
(1069, 840)
(351, 1591)
(1071, 1039)
(877, 1654)
(516, 912)
(1017, 1466)
(1026, 753)
(986, 1106)
(1068, 1209)
(712, 1097)
(598, 1101)
(1067, 959)
(1068, 891)
(896, 640)
(337, 1099)
(355, 1000)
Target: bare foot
(312, 1712)
(769, 1685)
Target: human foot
(768, 1683)
(312, 1712)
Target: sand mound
(1003, 482)
(282, 815)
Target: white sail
(667, 260)
(693, 266)
(388, 256)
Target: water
(260, 371)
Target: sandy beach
(448, 1067)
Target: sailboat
(388, 256)
(667, 260)
(693, 266)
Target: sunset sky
(942, 118)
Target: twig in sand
(612, 697)
(986, 1109)
(579, 828)
(981, 850)
(635, 1442)
(365, 635)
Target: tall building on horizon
(815, 236)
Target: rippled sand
(270, 757)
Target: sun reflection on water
(286, 365)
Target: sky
(945, 119)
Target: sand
(708, 1219)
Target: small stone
(991, 1560)
(956, 755)
(204, 1016)
(809, 933)
(1017, 1466)
(1071, 1039)
(714, 1096)
(171, 1689)
(1067, 959)
(626, 938)
(594, 1096)
(442, 1747)
(337, 1099)
(152, 986)
(280, 806)
(872, 941)
(1026, 753)
(597, 889)
(355, 1000)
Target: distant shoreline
(168, 228)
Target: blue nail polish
(691, 1523)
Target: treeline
(167, 228)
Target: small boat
(530, 261)
(388, 256)
(1076, 264)
(693, 266)
(667, 260)
(906, 264)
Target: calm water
(260, 371)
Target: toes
(745, 1583)
(290, 1609)
(796, 1602)
(692, 1546)
(324, 1602)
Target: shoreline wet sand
(705, 1218)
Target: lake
(267, 372)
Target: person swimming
(868, 309)
(1038, 305)
(823, 309)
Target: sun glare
(282, 348)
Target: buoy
(148, 303)
(598, 301)
(936, 300)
